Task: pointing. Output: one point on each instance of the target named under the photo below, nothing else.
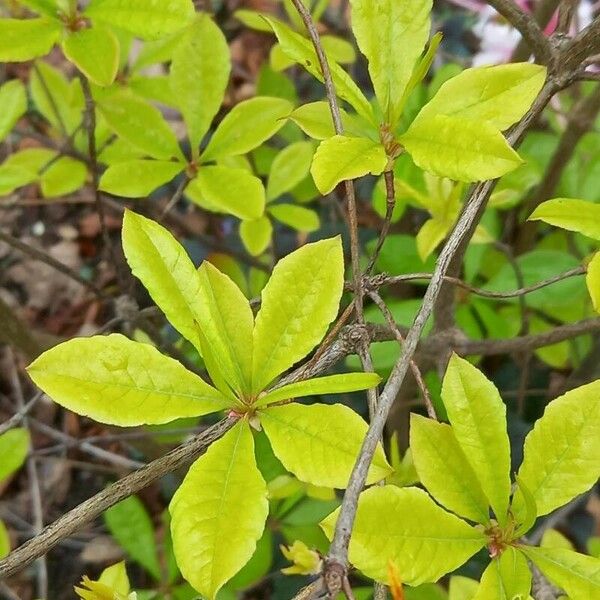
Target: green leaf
(320, 443)
(14, 446)
(246, 126)
(581, 216)
(528, 516)
(462, 588)
(499, 95)
(506, 578)
(253, 19)
(147, 19)
(256, 235)
(138, 178)
(381, 29)
(228, 190)
(459, 149)
(120, 382)
(299, 302)
(4, 540)
(557, 471)
(578, 575)
(592, 280)
(25, 39)
(115, 577)
(199, 75)
(330, 384)
(301, 50)
(341, 158)
(13, 101)
(129, 523)
(21, 168)
(315, 120)
(289, 168)
(219, 512)
(297, 217)
(227, 323)
(432, 232)
(445, 471)
(423, 547)
(64, 176)
(141, 124)
(49, 8)
(478, 418)
(159, 261)
(555, 539)
(95, 52)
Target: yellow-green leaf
(219, 512)
(578, 575)
(289, 168)
(23, 167)
(459, 149)
(228, 190)
(320, 443)
(297, 217)
(14, 445)
(330, 384)
(13, 101)
(432, 232)
(562, 452)
(592, 280)
(4, 540)
(445, 471)
(340, 158)
(95, 52)
(199, 75)
(553, 538)
(147, 19)
(392, 35)
(478, 418)
(159, 261)
(64, 176)
(24, 39)
(115, 380)
(316, 121)
(256, 234)
(298, 303)
(406, 527)
(138, 178)
(574, 215)
(499, 95)
(141, 124)
(246, 126)
(115, 577)
(227, 323)
(506, 578)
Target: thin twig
(176, 196)
(20, 414)
(390, 204)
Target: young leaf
(129, 523)
(141, 124)
(298, 303)
(64, 176)
(499, 95)
(227, 323)
(506, 578)
(115, 380)
(24, 39)
(556, 472)
(297, 217)
(14, 445)
(233, 191)
(381, 28)
(445, 471)
(256, 234)
(578, 575)
(159, 261)
(219, 512)
(147, 19)
(320, 443)
(432, 232)
(406, 527)
(478, 418)
(340, 158)
(246, 126)
(574, 215)
(13, 101)
(289, 168)
(301, 50)
(330, 384)
(199, 75)
(592, 280)
(115, 577)
(315, 120)
(459, 149)
(138, 178)
(95, 52)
